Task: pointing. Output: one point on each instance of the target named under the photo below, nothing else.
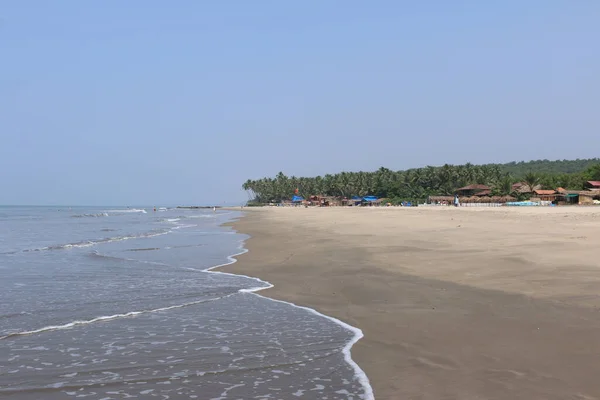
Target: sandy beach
(454, 303)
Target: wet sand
(454, 303)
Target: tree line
(418, 183)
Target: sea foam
(359, 374)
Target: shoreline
(360, 375)
(449, 308)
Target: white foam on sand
(358, 334)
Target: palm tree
(415, 183)
(532, 180)
(503, 187)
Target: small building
(586, 198)
(523, 188)
(329, 201)
(354, 201)
(444, 200)
(583, 197)
(370, 201)
(473, 190)
(484, 193)
(592, 185)
(545, 195)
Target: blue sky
(141, 102)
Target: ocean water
(118, 303)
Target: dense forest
(419, 183)
(548, 167)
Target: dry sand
(454, 303)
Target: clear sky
(155, 102)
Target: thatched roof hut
(441, 198)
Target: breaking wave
(107, 318)
(93, 242)
(103, 214)
(128, 210)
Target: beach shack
(326, 201)
(355, 201)
(592, 185)
(297, 200)
(370, 201)
(523, 188)
(441, 200)
(544, 195)
(474, 190)
(586, 198)
(332, 201)
(583, 197)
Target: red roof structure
(543, 192)
(593, 184)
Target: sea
(128, 303)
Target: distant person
(456, 201)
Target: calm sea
(118, 303)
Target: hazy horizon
(139, 102)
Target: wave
(145, 249)
(360, 375)
(93, 242)
(128, 210)
(107, 318)
(97, 254)
(103, 214)
(200, 216)
(111, 212)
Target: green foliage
(593, 173)
(254, 204)
(532, 180)
(504, 186)
(519, 169)
(417, 184)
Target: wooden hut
(586, 198)
(474, 189)
(441, 199)
(592, 185)
(522, 187)
(545, 195)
